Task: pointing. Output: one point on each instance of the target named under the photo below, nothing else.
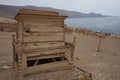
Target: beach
(104, 65)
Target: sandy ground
(104, 65)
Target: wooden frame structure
(40, 44)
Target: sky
(105, 7)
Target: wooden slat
(41, 34)
(19, 32)
(68, 55)
(58, 23)
(29, 46)
(44, 52)
(41, 27)
(24, 61)
(16, 66)
(46, 56)
(38, 37)
(43, 21)
(38, 12)
(40, 18)
(37, 25)
(62, 65)
(44, 28)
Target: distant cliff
(10, 11)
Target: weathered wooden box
(40, 44)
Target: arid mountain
(10, 11)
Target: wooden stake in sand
(99, 44)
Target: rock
(94, 54)
(115, 66)
(77, 58)
(100, 74)
(6, 67)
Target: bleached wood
(38, 12)
(48, 67)
(46, 56)
(44, 52)
(20, 32)
(40, 35)
(29, 46)
(36, 62)
(24, 61)
(24, 17)
(44, 37)
(43, 27)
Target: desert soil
(104, 65)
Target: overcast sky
(106, 7)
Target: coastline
(85, 31)
(105, 24)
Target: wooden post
(99, 44)
(73, 47)
(74, 41)
(13, 40)
(20, 32)
(20, 69)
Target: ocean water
(105, 24)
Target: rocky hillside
(10, 11)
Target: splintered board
(29, 46)
(29, 17)
(41, 25)
(38, 12)
(40, 52)
(37, 32)
(45, 37)
(43, 28)
(48, 67)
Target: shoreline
(85, 31)
(107, 25)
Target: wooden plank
(40, 20)
(40, 17)
(29, 46)
(40, 34)
(43, 28)
(35, 24)
(19, 32)
(62, 65)
(39, 12)
(58, 23)
(44, 49)
(36, 62)
(46, 56)
(24, 61)
(43, 22)
(16, 66)
(44, 37)
(45, 52)
(68, 55)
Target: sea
(104, 24)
